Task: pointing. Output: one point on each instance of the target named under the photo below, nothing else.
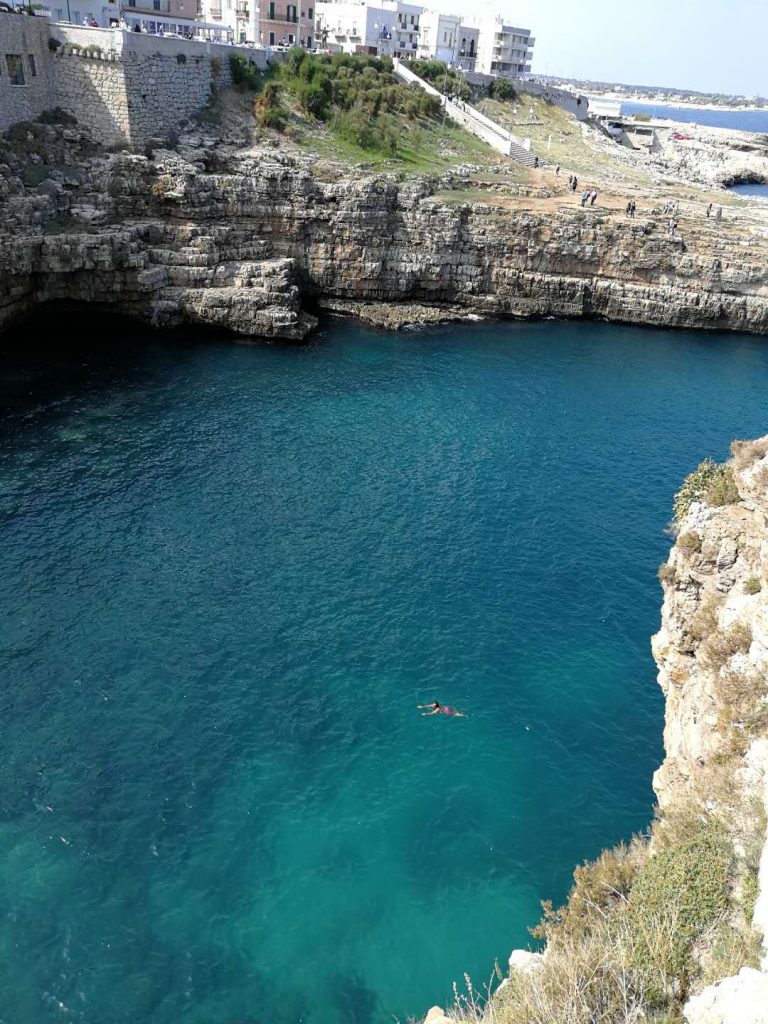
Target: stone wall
(123, 86)
(24, 37)
(578, 105)
(129, 86)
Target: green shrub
(667, 574)
(688, 882)
(598, 886)
(268, 109)
(56, 116)
(502, 89)
(355, 126)
(753, 585)
(710, 483)
(245, 74)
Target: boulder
(741, 999)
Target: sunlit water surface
(229, 573)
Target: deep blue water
(750, 190)
(229, 573)
(737, 120)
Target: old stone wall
(24, 95)
(129, 86)
(123, 86)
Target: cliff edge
(672, 927)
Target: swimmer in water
(438, 709)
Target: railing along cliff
(474, 121)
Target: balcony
(242, 9)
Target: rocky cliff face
(245, 240)
(712, 654)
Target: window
(15, 68)
(156, 4)
(310, 13)
(32, 68)
(290, 38)
(309, 42)
(272, 11)
(271, 38)
(59, 12)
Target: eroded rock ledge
(248, 239)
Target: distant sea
(739, 120)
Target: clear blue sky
(710, 45)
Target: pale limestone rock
(742, 999)
(437, 1016)
(523, 961)
(211, 218)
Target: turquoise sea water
(229, 573)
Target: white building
(466, 51)
(241, 16)
(384, 28)
(76, 11)
(503, 49)
(396, 29)
(439, 37)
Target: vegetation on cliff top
(710, 483)
(354, 108)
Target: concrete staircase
(474, 121)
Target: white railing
(469, 117)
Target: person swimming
(438, 709)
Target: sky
(707, 45)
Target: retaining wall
(123, 86)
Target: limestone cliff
(247, 239)
(712, 654)
(674, 926)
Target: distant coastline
(673, 105)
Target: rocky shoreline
(214, 233)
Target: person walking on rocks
(557, 169)
(632, 209)
(709, 210)
(575, 184)
(593, 197)
(535, 161)
(584, 197)
(628, 211)
(719, 214)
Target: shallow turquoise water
(228, 573)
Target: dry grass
(744, 453)
(722, 644)
(706, 620)
(689, 541)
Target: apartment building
(384, 28)
(184, 10)
(271, 22)
(395, 29)
(503, 49)
(439, 37)
(287, 24)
